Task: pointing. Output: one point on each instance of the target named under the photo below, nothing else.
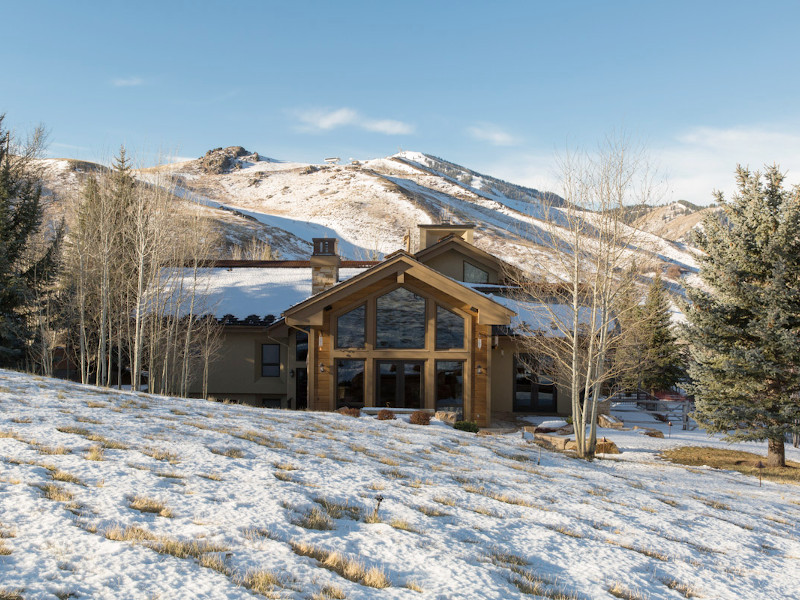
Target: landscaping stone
(609, 421)
(446, 416)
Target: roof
(244, 290)
(309, 312)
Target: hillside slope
(122, 495)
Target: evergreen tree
(744, 330)
(661, 354)
(22, 273)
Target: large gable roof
(309, 312)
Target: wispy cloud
(703, 159)
(127, 82)
(494, 135)
(325, 120)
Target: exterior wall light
(321, 368)
(480, 370)
(291, 373)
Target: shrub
(385, 415)
(350, 412)
(420, 417)
(470, 426)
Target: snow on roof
(242, 292)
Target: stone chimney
(324, 264)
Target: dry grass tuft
(684, 589)
(4, 550)
(444, 500)
(131, 533)
(413, 586)
(339, 510)
(261, 581)
(403, 525)
(52, 491)
(211, 476)
(315, 519)
(150, 505)
(620, 591)
(563, 529)
(6, 594)
(42, 449)
(744, 462)
(94, 453)
(160, 454)
(431, 511)
(59, 475)
(229, 452)
(344, 566)
(646, 551)
(21, 420)
(329, 592)
(507, 558)
(284, 466)
(385, 415)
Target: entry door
(301, 391)
(400, 383)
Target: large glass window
(400, 383)
(270, 360)
(450, 385)
(350, 328)
(449, 329)
(301, 346)
(534, 387)
(401, 320)
(473, 274)
(349, 383)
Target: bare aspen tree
(572, 304)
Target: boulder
(446, 416)
(609, 421)
(654, 433)
(552, 442)
(605, 446)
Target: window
(301, 346)
(349, 383)
(449, 385)
(350, 328)
(401, 320)
(473, 274)
(270, 360)
(449, 329)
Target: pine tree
(22, 273)
(661, 354)
(744, 331)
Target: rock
(609, 421)
(571, 445)
(553, 442)
(220, 160)
(604, 407)
(446, 416)
(605, 446)
(568, 430)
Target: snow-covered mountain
(369, 205)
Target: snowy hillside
(124, 495)
(369, 205)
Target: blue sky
(500, 87)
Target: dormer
(432, 234)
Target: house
(430, 330)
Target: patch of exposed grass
(565, 531)
(82, 419)
(150, 505)
(42, 449)
(95, 453)
(646, 551)
(261, 581)
(52, 491)
(59, 475)
(329, 592)
(447, 501)
(413, 586)
(431, 511)
(339, 510)
(93, 404)
(211, 476)
(507, 558)
(7, 594)
(284, 466)
(160, 454)
(403, 525)
(229, 452)
(348, 568)
(684, 589)
(734, 460)
(620, 591)
(21, 420)
(315, 519)
(4, 550)
(132, 533)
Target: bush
(470, 426)
(351, 412)
(385, 415)
(421, 417)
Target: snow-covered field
(462, 516)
